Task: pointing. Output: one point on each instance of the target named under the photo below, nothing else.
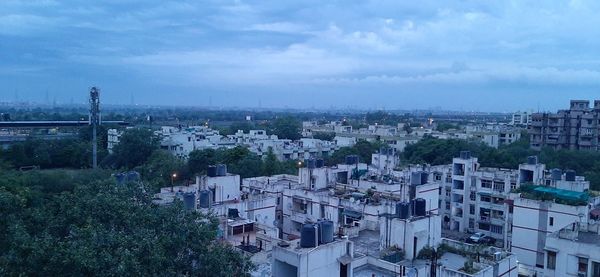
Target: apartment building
(575, 129)
(573, 250)
(521, 118)
(545, 207)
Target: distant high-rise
(577, 128)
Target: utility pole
(94, 121)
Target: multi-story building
(573, 250)
(576, 128)
(475, 199)
(520, 118)
(542, 207)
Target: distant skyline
(497, 56)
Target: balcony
(298, 216)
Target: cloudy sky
(459, 55)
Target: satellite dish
(411, 272)
(275, 222)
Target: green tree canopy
(287, 128)
(134, 148)
(88, 225)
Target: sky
(453, 55)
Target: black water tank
(211, 171)
(570, 175)
(424, 177)
(310, 163)
(204, 199)
(420, 207)
(325, 231)
(403, 210)
(221, 170)
(532, 160)
(556, 174)
(189, 201)
(308, 236)
(320, 163)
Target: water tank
(556, 174)
(320, 163)
(189, 201)
(211, 171)
(120, 178)
(133, 176)
(325, 231)
(221, 170)
(424, 177)
(570, 175)
(204, 199)
(532, 160)
(310, 163)
(308, 236)
(419, 205)
(403, 210)
(465, 154)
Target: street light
(173, 176)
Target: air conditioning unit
(356, 223)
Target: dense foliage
(286, 128)
(65, 153)
(239, 160)
(329, 136)
(81, 223)
(134, 148)
(362, 148)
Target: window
(472, 196)
(551, 260)
(595, 269)
(484, 226)
(499, 186)
(582, 265)
(496, 229)
(471, 209)
(551, 221)
(486, 184)
(486, 198)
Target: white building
(573, 250)
(521, 119)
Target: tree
(97, 227)
(249, 166)
(329, 136)
(159, 168)
(287, 128)
(199, 160)
(134, 148)
(270, 163)
(362, 148)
